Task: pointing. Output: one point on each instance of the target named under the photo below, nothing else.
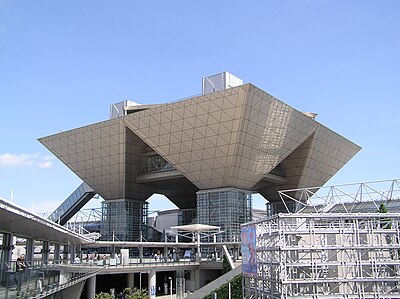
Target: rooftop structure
(207, 152)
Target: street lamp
(170, 286)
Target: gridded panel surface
(95, 153)
(124, 220)
(230, 138)
(227, 208)
(197, 136)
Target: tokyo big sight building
(207, 154)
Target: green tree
(385, 222)
(135, 293)
(102, 295)
(128, 292)
(382, 208)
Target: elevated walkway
(72, 204)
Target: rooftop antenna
(12, 194)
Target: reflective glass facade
(227, 208)
(124, 220)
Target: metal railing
(36, 279)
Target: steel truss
(314, 254)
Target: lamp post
(170, 286)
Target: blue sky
(62, 63)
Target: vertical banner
(249, 258)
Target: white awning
(195, 228)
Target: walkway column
(30, 247)
(152, 284)
(141, 254)
(65, 253)
(180, 284)
(72, 252)
(6, 254)
(91, 287)
(45, 251)
(78, 251)
(131, 280)
(63, 276)
(196, 273)
(57, 253)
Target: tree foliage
(382, 208)
(135, 293)
(102, 295)
(128, 292)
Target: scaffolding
(316, 253)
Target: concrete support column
(198, 247)
(72, 253)
(141, 254)
(152, 284)
(78, 251)
(63, 276)
(7, 247)
(91, 287)
(180, 284)
(6, 255)
(65, 252)
(45, 251)
(130, 280)
(196, 277)
(30, 247)
(57, 248)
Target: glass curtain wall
(227, 208)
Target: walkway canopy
(23, 223)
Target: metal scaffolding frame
(316, 253)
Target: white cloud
(16, 160)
